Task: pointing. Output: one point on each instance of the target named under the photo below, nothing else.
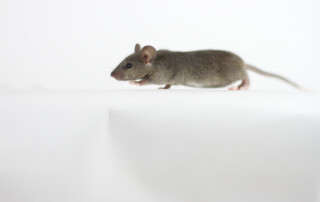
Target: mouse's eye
(128, 65)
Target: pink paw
(234, 88)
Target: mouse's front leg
(139, 83)
(165, 87)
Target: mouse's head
(137, 65)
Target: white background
(69, 44)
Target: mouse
(200, 69)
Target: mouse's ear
(137, 48)
(148, 54)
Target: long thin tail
(259, 71)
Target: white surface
(177, 145)
(75, 44)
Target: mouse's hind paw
(244, 85)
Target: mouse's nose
(117, 75)
(113, 74)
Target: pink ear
(148, 54)
(145, 59)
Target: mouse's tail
(259, 71)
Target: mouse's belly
(195, 84)
(207, 84)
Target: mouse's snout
(117, 74)
(113, 74)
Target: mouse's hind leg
(244, 85)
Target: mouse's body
(206, 68)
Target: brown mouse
(204, 68)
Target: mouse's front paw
(139, 83)
(165, 87)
